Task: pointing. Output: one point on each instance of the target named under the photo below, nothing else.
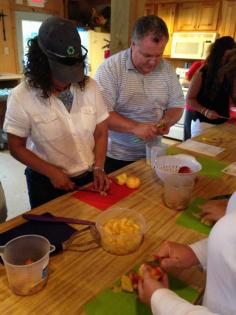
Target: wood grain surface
(76, 277)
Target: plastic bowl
(170, 164)
(121, 230)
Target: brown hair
(150, 24)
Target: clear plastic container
(121, 230)
(149, 145)
(178, 191)
(26, 261)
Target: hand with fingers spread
(213, 210)
(175, 255)
(148, 285)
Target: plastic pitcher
(26, 261)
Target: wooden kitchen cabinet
(228, 19)
(150, 8)
(198, 16)
(167, 12)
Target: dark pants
(41, 190)
(189, 116)
(112, 165)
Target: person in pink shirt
(189, 111)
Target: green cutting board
(210, 167)
(187, 220)
(124, 303)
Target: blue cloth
(67, 99)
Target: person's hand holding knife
(163, 127)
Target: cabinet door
(187, 16)
(167, 13)
(150, 8)
(208, 16)
(198, 16)
(228, 19)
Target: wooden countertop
(76, 277)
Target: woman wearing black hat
(56, 119)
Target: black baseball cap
(59, 40)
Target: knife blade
(77, 188)
(44, 218)
(224, 117)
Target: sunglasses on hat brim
(66, 60)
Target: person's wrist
(203, 110)
(98, 168)
(206, 113)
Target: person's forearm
(100, 149)
(28, 158)
(173, 115)
(192, 102)
(120, 123)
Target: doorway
(27, 26)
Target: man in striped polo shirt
(141, 91)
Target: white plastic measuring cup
(26, 261)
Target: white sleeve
(17, 122)
(231, 207)
(200, 249)
(166, 302)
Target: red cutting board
(115, 194)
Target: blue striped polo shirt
(142, 98)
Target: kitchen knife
(104, 193)
(45, 218)
(220, 197)
(224, 117)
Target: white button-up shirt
(218, 255)
(62, 138)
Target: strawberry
(156, 273)
(134, 277)
(184, 169)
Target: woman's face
(60, 86)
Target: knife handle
(220, 197)
(45, 218)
